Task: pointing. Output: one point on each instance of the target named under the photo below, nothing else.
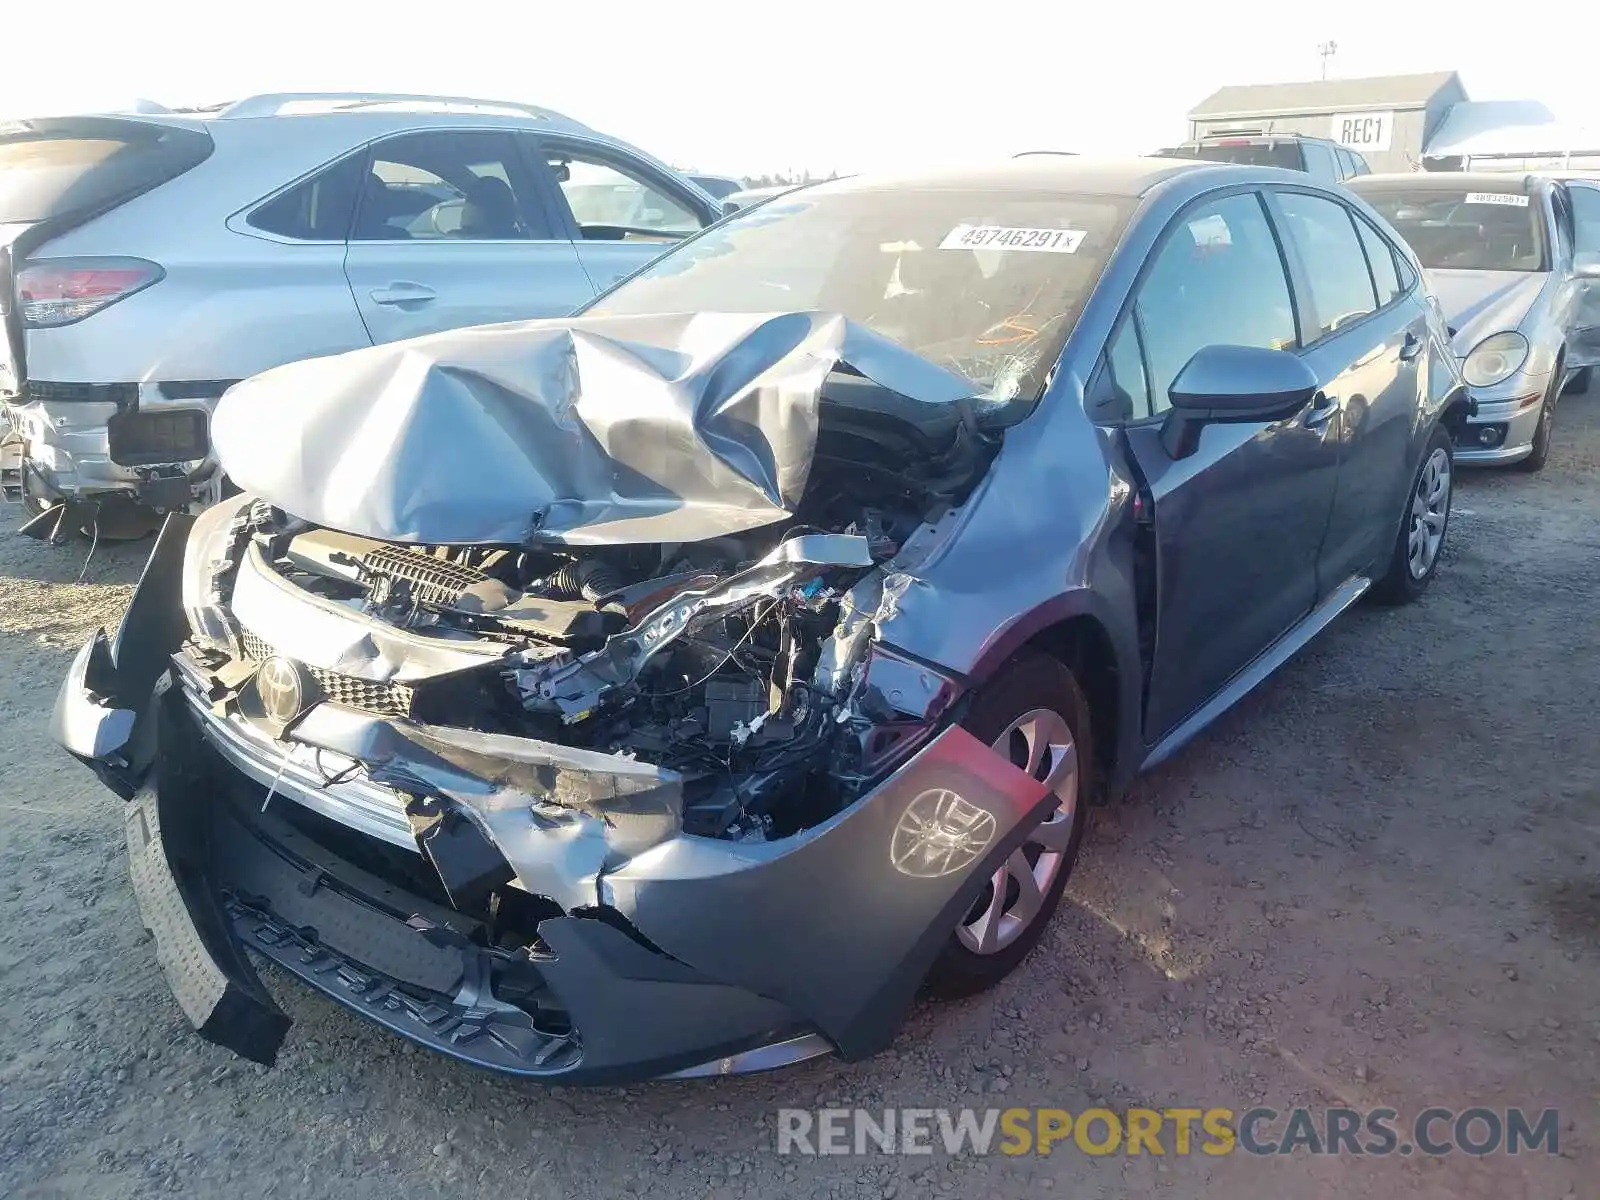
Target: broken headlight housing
(207, 558)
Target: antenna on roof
(1327, 50)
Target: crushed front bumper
(691, 956)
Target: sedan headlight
(207, 555)
(1495, 359)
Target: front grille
(383, 699)
(380, 699)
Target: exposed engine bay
(733, 661)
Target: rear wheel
(118, 519)
(1034, 714)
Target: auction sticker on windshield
(1005, 237)
(1497, 198)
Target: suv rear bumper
(87, 441)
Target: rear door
(1319, 161)
(1366, 340)
(1239, 523)
(449, 231)
(1583, 343)
(620, 211)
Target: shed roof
(1325, 95)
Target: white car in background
(1514, 260)
(149, 261)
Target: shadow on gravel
(79, 561)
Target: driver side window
(609, 201)
(459, 185)
(1217, 279)
(1586, 218)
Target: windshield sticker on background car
(1497, 198)
(1005, 237)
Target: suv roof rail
(270, 104)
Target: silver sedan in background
(1514, 260)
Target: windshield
(1466, 231)
(985, 283)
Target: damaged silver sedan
(642, 695)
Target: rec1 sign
(1363, 130)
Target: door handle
(1323, 407)
(403, 293)
(1410, 346)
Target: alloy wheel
(1430, 508)
(1039, 742)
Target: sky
(819, 85)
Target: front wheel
(1034, 714)
(1541, 432)
(1415, 557)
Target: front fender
(842, 922)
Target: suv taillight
(59, 291)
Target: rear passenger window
(1319, 161)
(1218, 279)
(1408, 277)
(316, 210)
(1380, 257)
(1325, 234)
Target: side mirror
(729, 207)
(1586, 265)
(1233, 385)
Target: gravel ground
(1371, 884)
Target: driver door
(1238, 524)
(1583, 342)
(449, 231)
(619, 211)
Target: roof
(1065, 173)
(372, 108)
(1325, 95)
(1446, 181)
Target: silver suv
(150, 261)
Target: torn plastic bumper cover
(691, 956)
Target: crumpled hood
(582, 430)
(1479, 303)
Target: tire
(1542, 431)
(1581, 379)
(119, 520)
(1041, 695)
(1403, 582)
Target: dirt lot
(1373, 884)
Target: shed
(1387, 118)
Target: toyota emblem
(283, 689)
(940, 833)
